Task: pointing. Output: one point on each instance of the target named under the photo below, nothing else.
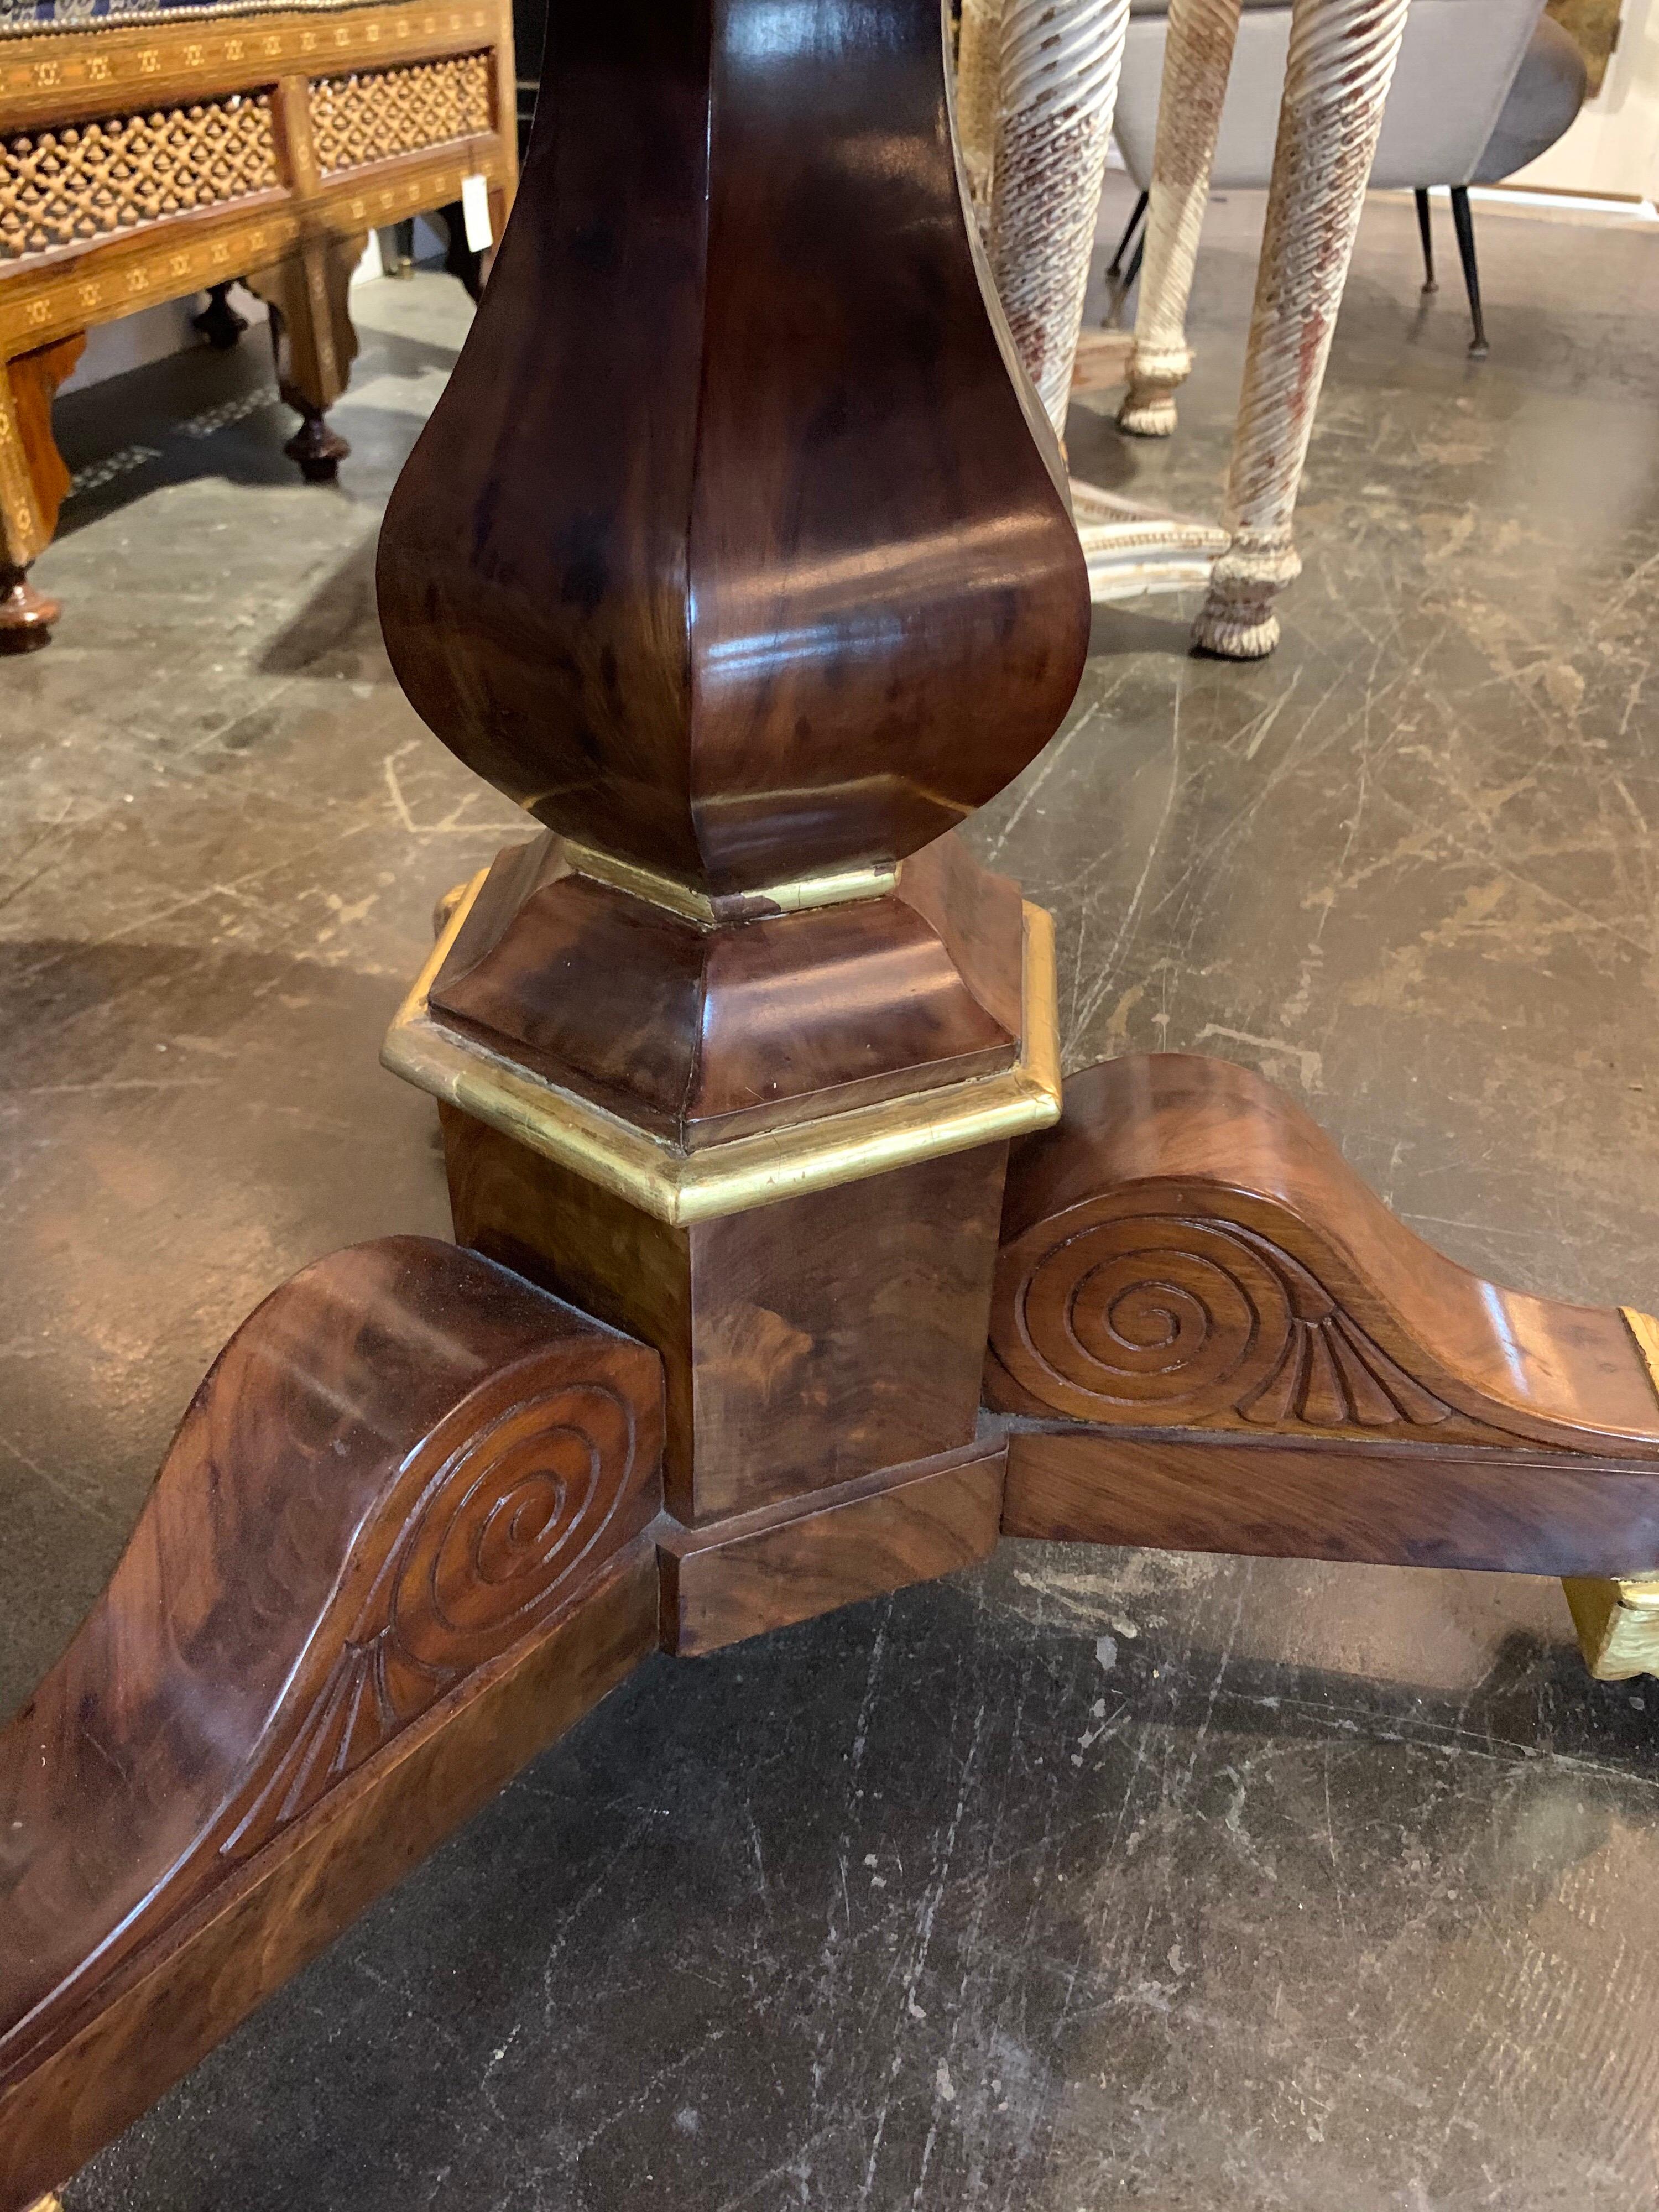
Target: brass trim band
(680, 1187)
(840, 889)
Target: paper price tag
(474, 214)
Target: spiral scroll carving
(491, 1540)
(1157, 1319)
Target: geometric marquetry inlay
(374, 115)
(82, 182)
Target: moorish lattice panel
(374, 114)
(150, 151)
(88, 181)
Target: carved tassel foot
(1237, 621)
(1148, 408)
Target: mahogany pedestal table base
(737, 551)
(413, 1525)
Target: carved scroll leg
(399, 1545)
(1336, 80)
(1214, 1337)
(32, 483)
(1057, 88)
(315, 345)
(1197, 56)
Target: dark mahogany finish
(396, 1547)
(1186, 1247)
(1405, 1504)
(807, 1344)
(1254, 1355)
(700, 1034)
(736, 545)
(758, 1570)
(737, 549)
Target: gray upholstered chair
(1482, 87)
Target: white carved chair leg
(1060, 61)
(979, 72)
(1197, 56)
(1336, 79)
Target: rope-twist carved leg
(1198, 54)
(1059, 61)
(1336, 80)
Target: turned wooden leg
(397, 1546)
(469, 267)
(1198, 55)
(219, 323)
(1336, 80)
(32, 483)
(1216, 1338)
(315, 345)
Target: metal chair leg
(1464, 222)
(1129, 229)
(1427, 236)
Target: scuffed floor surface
(1087, 1880)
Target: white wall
(151, 335)
(1614, 147)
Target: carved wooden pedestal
(738, 552)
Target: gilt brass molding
(679, 1187)
(1645, 1329)
(843, 888)
(1618, 1624)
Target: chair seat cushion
(1547, 94)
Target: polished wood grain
(33, 484)
(704, 1031)
(1188, 1248)
(1408, 1505)
(764, 1570)
(805, 1343)
(269, 203)
(396, 1547)
(314, 342)
(736, 545)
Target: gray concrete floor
(1087, 1879)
